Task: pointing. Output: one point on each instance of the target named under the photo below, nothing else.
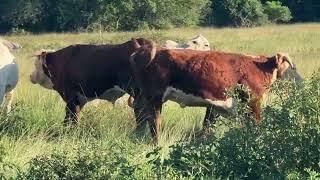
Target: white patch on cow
(169, 44)
(197, 43)
(252, 56)
(5, 56)
(115, 95)
(115, 89)
(9, 75)
(184, 100)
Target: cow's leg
(255, 106)
(210, 118)
(141, 113)
(73, 108)
(8, 100)
(154, 121)
(2, 93)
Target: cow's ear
(40, 53)
(283, 57)
(135, 43)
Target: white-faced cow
(201, 78)
(9, 74)
(197, 43)
(80, 73)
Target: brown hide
(204, 74)
(81, 72)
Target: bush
(239, 13)
(87, 163)
(285, 145)
(23, 14)
(276, 12)
(158, 14)
(74, 15)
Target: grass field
(35, 126)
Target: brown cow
(197, 78)
(80, 73)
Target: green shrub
(86, 163)
(239, 13)
(276, 12)
(145, 14)
(23, 14)
(195, 159)
(285, 145)
(96, 15)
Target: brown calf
(195, 78)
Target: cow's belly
(112, 94)
(184, 100)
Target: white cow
(197, 43)
(8, 72)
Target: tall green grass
(35, 126)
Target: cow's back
(206, 74)
(92, 68)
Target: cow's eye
(194, 42)
(206, 45)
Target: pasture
(34, 128)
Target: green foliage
(239, 13)
(111, 15)
(92, 162)
(276, 12)
(20, 13)
(286, 144)
(195, 159)
(302, 10)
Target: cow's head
(292, 74)
(145, 51)
(286, 69)
(198, 43)
(38, 76)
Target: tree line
(115, 15)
